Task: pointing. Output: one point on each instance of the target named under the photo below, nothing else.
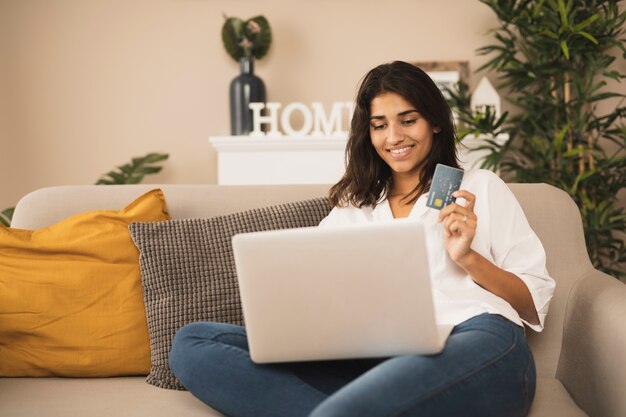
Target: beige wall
(7, 152)
(92, 83)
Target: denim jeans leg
(485, 370)
(212, 362)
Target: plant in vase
(555, 58)
(244, 41)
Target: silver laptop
(337, 292)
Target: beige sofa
(581, 355)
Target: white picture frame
(445, 73)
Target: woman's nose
(394, 133)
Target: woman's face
(400, 134)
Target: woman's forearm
(502, 283)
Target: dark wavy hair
(367, 179)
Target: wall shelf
(298, 160)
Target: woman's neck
(402, 185)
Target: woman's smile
(400, 153)
(401, 136)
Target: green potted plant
(553, 58)
(244, 39)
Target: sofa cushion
(71, 301)
(553, 400)
(188, 271)
(123, 397)
(96, 397)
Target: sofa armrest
(592, 366)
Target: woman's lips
(402, 152)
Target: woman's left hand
(459, 225)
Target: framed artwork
(445, 73)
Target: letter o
(285, 119)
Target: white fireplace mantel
(298, 160)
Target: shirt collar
(382, 210)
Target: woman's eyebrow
(403, 113)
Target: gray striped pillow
(188, 271)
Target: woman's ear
(436, 129)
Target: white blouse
(503, 236)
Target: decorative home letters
(315, 120)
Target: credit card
(445, 181)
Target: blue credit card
(445, 181)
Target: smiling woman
(488, 274)
(402, 138)
(397, 106)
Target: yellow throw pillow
(71, 301)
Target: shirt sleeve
(332, 219)
(517, 249)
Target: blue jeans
(486, 369)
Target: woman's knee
(195, 339)
(194, 334)
(179, 354)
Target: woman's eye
(408, 122)
(378, 127)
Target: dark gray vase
(244, 89)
